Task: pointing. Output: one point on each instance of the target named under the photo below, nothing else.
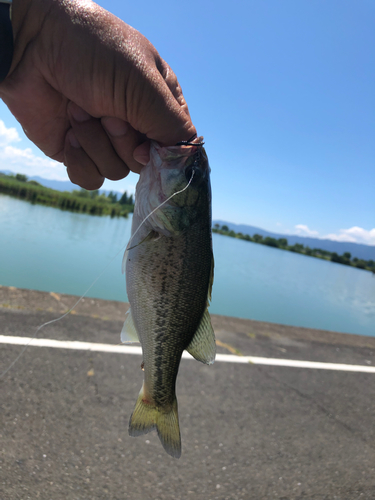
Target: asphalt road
(248, 432)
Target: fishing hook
(190, 143)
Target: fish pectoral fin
(147, 417)
(152, 235)
(203, 346)
(129, 333)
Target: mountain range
(366, 252)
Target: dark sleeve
(6, 40)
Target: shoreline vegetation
(82, 201)
(282, 244)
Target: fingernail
(73, 140)
(78, 113)
(115, 126)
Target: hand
(89, 90)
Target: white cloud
(303, 230)
(24, 161)
(8, 135)
(355, 235)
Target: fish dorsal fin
(129, 333)
(152, 235)
(202, 346)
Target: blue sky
(283, 92)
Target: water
(43, 248)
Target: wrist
(27, 21)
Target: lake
(47, 249)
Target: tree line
(282, 243)
(89, 202)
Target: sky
(283, 93)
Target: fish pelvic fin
(146, 417)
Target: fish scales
(169, 301)
(169, 271)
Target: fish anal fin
(129, 333)
(203, 346)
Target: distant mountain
(58, 185)
(66, 186)
(366, 252)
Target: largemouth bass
(169, 275)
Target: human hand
(89, 90)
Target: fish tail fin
(147, 417)
(169, 430)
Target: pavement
(248, 431)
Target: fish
(169, 268)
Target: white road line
(226, 358)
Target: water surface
(47, 249)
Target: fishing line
(60, 317)
(2, 374)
